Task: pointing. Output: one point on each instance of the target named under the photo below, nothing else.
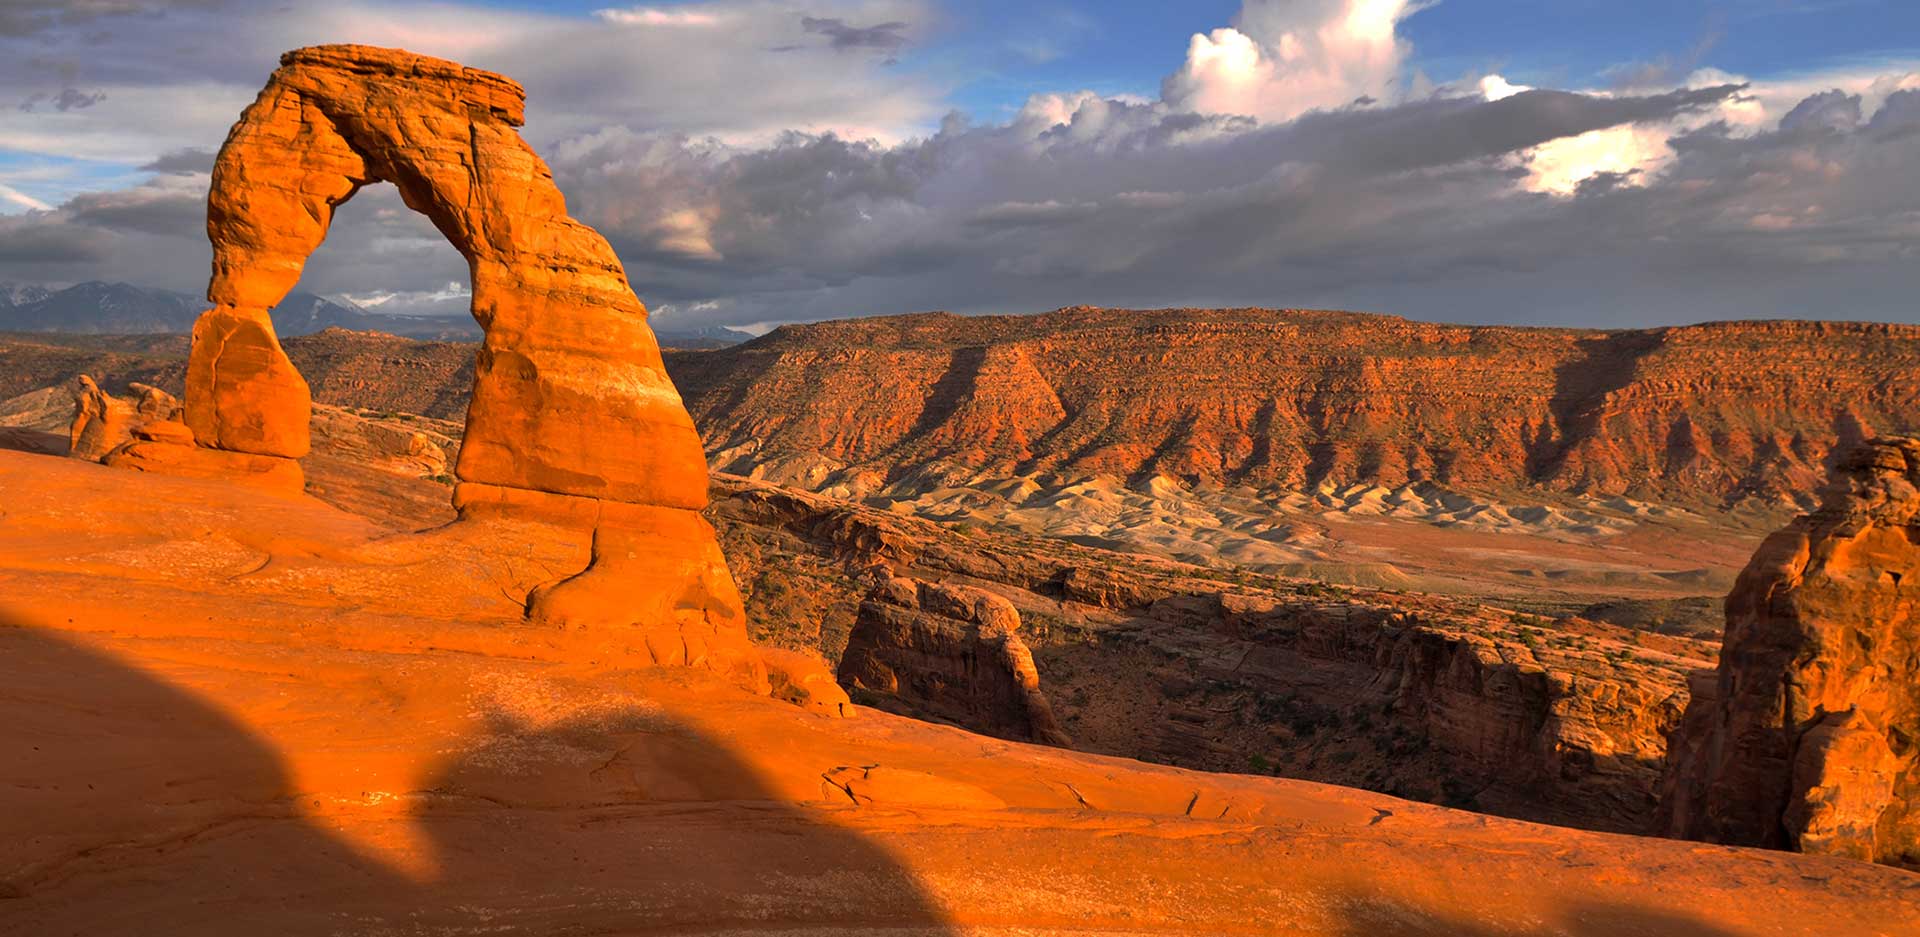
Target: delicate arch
(570, 394)
(573, 421)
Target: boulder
(100, 420)
(804, 680)
(1809, 737)
(153, 404)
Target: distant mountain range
(100, 308)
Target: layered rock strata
(1302, 400)
(950, 652)
(1807, 737)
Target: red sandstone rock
(243, 395)
(1294, 399)
(569, 395)
(806, 681)
(153, 404)
(952, 652)
(171, 455)
(100, 420)
(1809, 738)
(164, 431)
(572, 418)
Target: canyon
(1530, 670)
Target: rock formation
(101, 421)
(1430, 697)
(1808, 737)
(572, 422)
(1300, 399)
(951, 652)
(154, 405)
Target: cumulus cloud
(1282, 58)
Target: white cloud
(1639, 152)
(1282, 59)
(22, 199)
(1630, 151)
(1496, 88)
(654, 16)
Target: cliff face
(1808, 738)
(1297, 399)
(949, 651)
(1459, 705)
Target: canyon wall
(1428, 697)
(948, 652)
(1294, 399)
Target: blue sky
(1126, 46)
(995, 53)
(758, 161)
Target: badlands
(271, 667)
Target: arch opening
(386, 267)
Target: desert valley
(1102, 620)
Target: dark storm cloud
(887, 37)
(1125, 199)
(145, 210)
(34, 17)
(1418, 207)
(182, 162)
(66, 99)
(1410, 209)
(36, 240)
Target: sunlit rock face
(952, 652)
(573, 421)
(1809, 737)
(100, 420)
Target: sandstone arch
(573, 421)
(567, 356)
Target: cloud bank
(761, 161)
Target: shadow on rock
(130, 806)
